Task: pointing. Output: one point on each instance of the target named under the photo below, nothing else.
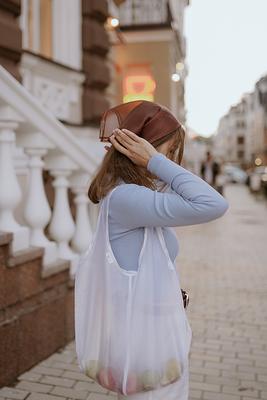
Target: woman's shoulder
(133, 195)
(125, 189)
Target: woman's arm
(193, 201)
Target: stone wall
(36, 309)
(96, 45)
(10, 36)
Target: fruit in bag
(150, 379)
(171, 373)
(106, 378)
(92, 369)
(133, 384)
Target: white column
(23, 22)
(83, 228)
(10, 193)
(67, 42)
(37, 211)
(36, 25)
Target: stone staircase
(36, 308)
(40, 242)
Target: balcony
(139, 14)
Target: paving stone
(51, 380)
(197, 377)
(205, 386)
(13, 393)
(219, 396)
(91, 387)
(262, 378)
(48, 370)
(66, 366)
(42, 396)
(34, 387)
(241, 390)
(30, 376)
(78, 376)
(226, 281)
(195, 394)
(221, 380)
(70, 393)
(97, 396)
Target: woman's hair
(116, 165)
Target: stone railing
(137, 13)
(32, 140)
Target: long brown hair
(116, 165)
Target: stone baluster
(62, 226)
(10, 192)
(83, 228)
(37, 212)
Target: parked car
(257, 179)
(234, 174)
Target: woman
(146, 158)
(152, 190)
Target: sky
(226, 55)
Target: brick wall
(96, 45)
(36, 309)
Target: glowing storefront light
(138, 87)
(114, 22)
(175, 77)
(179, 66)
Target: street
(223, 266)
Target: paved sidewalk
(223, 265)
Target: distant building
(230, 141)
(195, 150)
(260, 125)
(148, 53)
(57, 65)
(241, 136)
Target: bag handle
(164, 247)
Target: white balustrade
(83, 228)
(32, 140)
(37, 211)
(10, 193)
(62, 226)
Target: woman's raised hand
(137, 149)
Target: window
(240, 154)
(46, 28)
(52, 28)
(240, 140)
(37, 26)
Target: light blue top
(189, 200)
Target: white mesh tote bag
(131, 330)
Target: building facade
(241, 136)
(61, 67)
(196, 147)
(148, 53)
(61, 63)
(49, 114)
